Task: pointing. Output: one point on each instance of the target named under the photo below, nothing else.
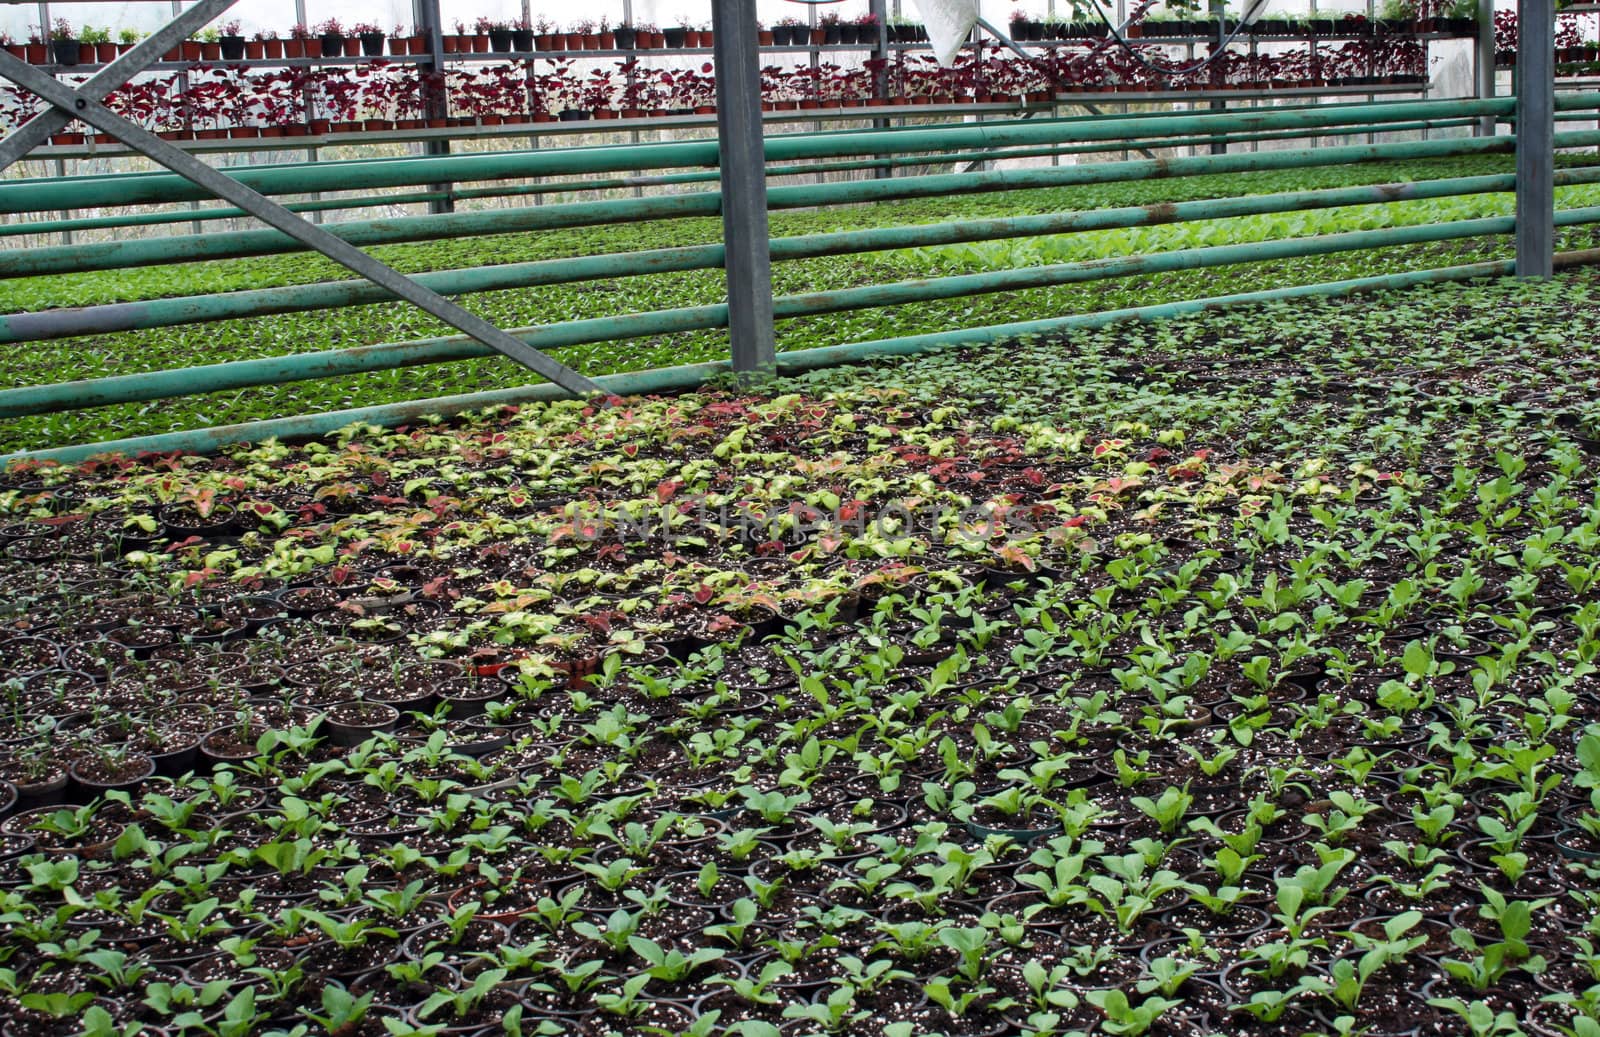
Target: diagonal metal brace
(41, 127)
(1012, 45)
(91, 111)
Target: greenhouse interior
(786, 518)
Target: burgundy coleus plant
(598, 91)
(637, 90)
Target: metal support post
(1217, 12)
(87, 107)
(1535, 138)
(435, 96)
(880, 80)
(744, 186)
(1485, 62)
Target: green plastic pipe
(156, 219)
(673, 179)
(117, 255)
(167, 312)
(1377, 108)
(690, 376)
(37, 195)
(299, 367)
(368, 163)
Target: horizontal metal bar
(277, 370)
(157, 219)
(689, 376)
(43, 195)
(167, 312)
(116, 255)
(96, 114)
(546, 187)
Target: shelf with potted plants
(304, 51)
(371, 94)
(1574, 54)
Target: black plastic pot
(675, 37)
(173, 763)
(182, 523)
(48, 791)
(65, 51)
(214, 747)
(89, 787)
(232, 48)
(353, 721)
(371, 44)
(500, 41)
(465, 699)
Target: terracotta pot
(272, 49)
(36, 53)
(105, 53)
(255, 50)
(191, 50)
(210, 52)
(480, 44)
(417, 45)
(764, 38)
